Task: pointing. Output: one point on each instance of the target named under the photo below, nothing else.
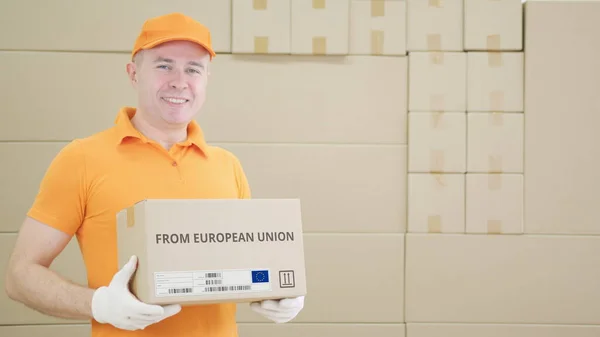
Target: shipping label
(207, 282)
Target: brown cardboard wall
(494, 233)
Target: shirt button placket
(176, 165)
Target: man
(154, 151)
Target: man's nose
(178, 80)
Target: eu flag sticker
(260, 276)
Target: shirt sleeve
(61, 199)
(242, 181)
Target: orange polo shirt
(93, 178)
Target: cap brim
(179, 38)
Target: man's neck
(165, 137)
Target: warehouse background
(446, 191)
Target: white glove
(279, 311)
(116, 306)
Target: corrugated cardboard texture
(377, 28)
(495, 135)
(495, 81)
(438, 81)
(561, 146)
(114, 34)
(260, 27)
(434, 25)
(328, 19)
(514, 266)
(494, 202)
(436, 203)
(437, 142)
(499, 330)
(493, 25)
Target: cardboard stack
(495, 65)
(465, 116)
(320, 27)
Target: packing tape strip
(436, 3)
(319, 45)
(434, 224)
(440, 181)
(130, 216)
(436, 57)
(436, 161)
(494, 227)
(261, 44)
(259, 4)
(318, 4)
(434, 42)
(377, 42)
(377, 8)
(496, 118)
(436, 102)
(493, 42)
(495, 59)
(495, 163)
(436, 119)
(495, 181)
(497, 100)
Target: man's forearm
(47, 292)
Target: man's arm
(30, 281)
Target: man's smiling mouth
(175, 100)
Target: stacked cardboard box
(465, 116)
(319, 27)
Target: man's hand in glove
(279, 311)
(115, 305)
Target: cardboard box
(494, 203)
(437, 81)
(436, 203)
(200, 251)
(562, 110)
(495, 142)
(434, 25)
(495, 81)
(378, 27)
(493, 25)
(261, 26)
(320, 27)
(437, 142)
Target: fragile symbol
(286, 279)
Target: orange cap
(172, 27)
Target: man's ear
(131, 73)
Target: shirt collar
(126, 130)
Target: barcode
(180, 291)
(213, 282)
(230, 288)
(213, 275)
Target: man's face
(171, 82)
